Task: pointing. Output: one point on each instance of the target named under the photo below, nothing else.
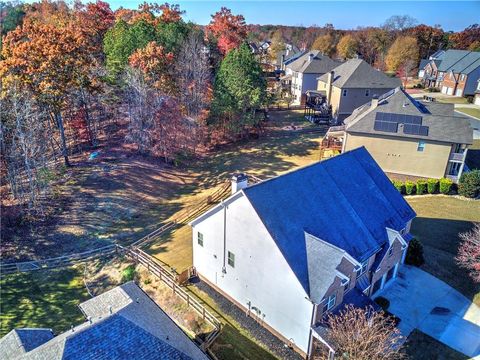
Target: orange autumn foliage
(229, 29)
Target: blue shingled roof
(347, 201)
(118, 338)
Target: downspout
(310, 338)
(224, 269)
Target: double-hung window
(344, 92)
(330, 302)
(231, 259)
(390, 250)
(421, 146)
(367, 92)
(200, 238)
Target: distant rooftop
(434, 121)
(356, 73)
(319, 64)
(124, 323)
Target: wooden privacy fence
(56, 262)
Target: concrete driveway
(422, 301)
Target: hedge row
(430, 186)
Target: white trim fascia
(342, 276)
(207, 213)
(396, 235)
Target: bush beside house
(415, 253)
(445, 186)
(421, 187)
(409, 187)
(469, 184)
(432, 186)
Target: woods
(66, 70)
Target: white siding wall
(261, 274)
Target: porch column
(404, 255)
(382, 284)
(395, 272)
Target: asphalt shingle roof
(19, 341)
(124, 324)
(346, 201)
(356, 73)
(443, 123)
(320, 64)
(459, 61)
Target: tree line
(67, 71)
(399, 37)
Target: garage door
(444, 89)
(477, 100)
(449, 91)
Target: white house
(305, 70)
(290, 249)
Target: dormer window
(330, 303)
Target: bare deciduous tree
(363, 334)
(24, 143)
(194, 76)
(469, 252)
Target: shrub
(433, 90)
(432, 186)
(445, 186)
(399, 186)
(469, 184)
(421, 187)
(382, 302)
(128, 273)
(415, 253)
(409, 187)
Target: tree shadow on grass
(47, 299)
(440, 240)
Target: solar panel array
(413, 129)
(388, 122)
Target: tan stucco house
(407, 137)
(352, 84)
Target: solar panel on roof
(385, 126)
(414, 129)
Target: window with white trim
(367, 92)
(200, 238)
(231, 259)
(344, 92)
(363, 268)
(330, 302)
(421, 146)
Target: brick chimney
(239, 181)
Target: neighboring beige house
(407, 137)
(476, 99)
(304, 71)
(352, 84)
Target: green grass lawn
(451, 99)
(47, 299)
(470, 111)
(438, 223)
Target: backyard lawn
(46, 299)
(475, 112)
(420, 346)
(439, 221)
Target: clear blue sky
(451, 15)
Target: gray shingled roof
(322, 260)
(459, 61)
(125, 324)
(444, 124)
(320, 64)
(356, 73)
(20, 341)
